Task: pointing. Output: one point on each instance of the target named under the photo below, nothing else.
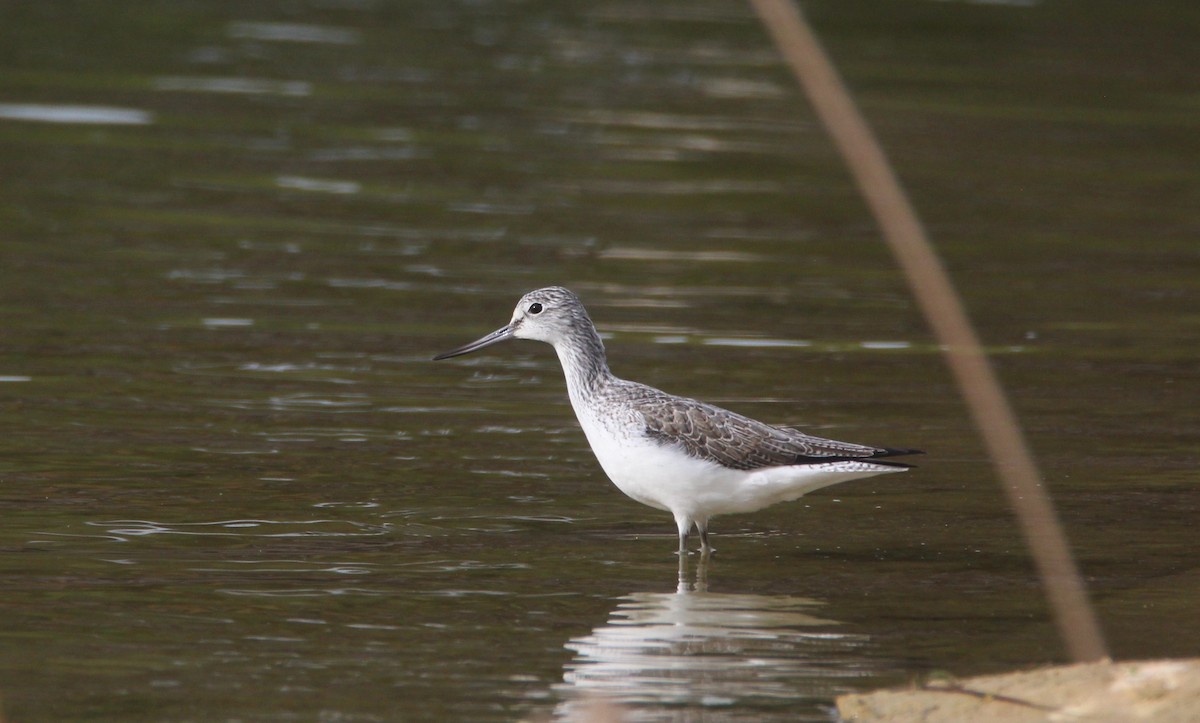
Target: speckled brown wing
(732, 440)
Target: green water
(234, 487)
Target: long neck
(583, 362)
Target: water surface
(235, 487)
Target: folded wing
(738, 442)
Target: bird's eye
(535, 308)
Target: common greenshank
(689, 458)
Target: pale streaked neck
(583, 362)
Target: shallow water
(235, 488)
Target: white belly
(667, 478)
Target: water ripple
(311, 402)
(83, 114)
(306, 371)
(318, 185)
(644, 254)
(288, 567)
(126, 529)
(340, 434)
(305, 592)
(234, 85)
(294, 33)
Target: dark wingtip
(877, 457)
(890, 452)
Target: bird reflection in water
(696, 649)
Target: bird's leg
(705, 548)
(684, 524)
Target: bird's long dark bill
(495, 337)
